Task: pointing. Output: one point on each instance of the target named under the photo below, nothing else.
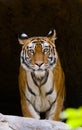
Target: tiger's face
(38, 53)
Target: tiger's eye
(31, 51)
(46, 50)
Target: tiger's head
(38, 53)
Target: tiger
(41, 77)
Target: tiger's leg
(58, 109)
(25, 109)
(22, 86)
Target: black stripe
(27, 98)
(50, 92)
(23, 61)
(39, 82)
(34, 79)
(30, 90)
(53, 62)
(51, 105)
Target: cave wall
(37, 18)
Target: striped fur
(41, 78)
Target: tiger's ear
(22, 37)
(52, 35)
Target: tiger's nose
(39, 63)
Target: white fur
(45, 44)
(41, 102)
(23, 35)
(35, 114)
(31, 45)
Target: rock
(8, 122)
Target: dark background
(37, 17)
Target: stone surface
(21, 123)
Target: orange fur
(60, 87)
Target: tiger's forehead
(39, 41)
(36, 43)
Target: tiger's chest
(41, 95)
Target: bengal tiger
(41, 77)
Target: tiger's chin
(40, 73)
(40, 77)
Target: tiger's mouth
(40, 69)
